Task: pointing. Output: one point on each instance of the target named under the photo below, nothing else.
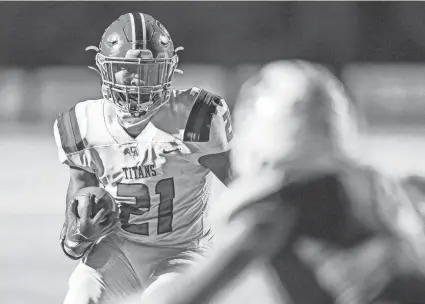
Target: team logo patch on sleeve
(199, 122)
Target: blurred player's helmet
(292, 112)
(136, 59)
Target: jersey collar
(118, 132)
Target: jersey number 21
(165, 189)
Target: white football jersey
(156, 178)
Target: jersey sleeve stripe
(76, 130)
(69, 132)
(199, 122)
(65, 133)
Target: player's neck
(136, 129)
(133, 125)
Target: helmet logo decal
(164, 39)
(114, 43)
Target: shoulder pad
(69, 132)
(199, 121)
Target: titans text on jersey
(156, 178)
(137, 172)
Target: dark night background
(43, 62)
(226, 33)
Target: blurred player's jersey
(342, 216)
(358, 199)
(156, 178)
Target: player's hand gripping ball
(91, 215)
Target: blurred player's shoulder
(82, 126)
(189, 113)
(373, 195)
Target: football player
(155, 150)
(334, 230)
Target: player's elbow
(219, 164)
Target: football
(91, 215)
(102, 199)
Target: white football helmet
(292, 112)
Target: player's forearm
(69, 193)
(66, 246)
(73, 187)
(78, 179)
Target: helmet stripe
(139, 28)
(133, 30)
(144, 30)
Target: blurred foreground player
(333, 230)
(155, 150)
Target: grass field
(33, 270)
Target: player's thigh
(179, 262)
(162, 284)
(103, 276)
(168, 270)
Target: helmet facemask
(138, 83)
